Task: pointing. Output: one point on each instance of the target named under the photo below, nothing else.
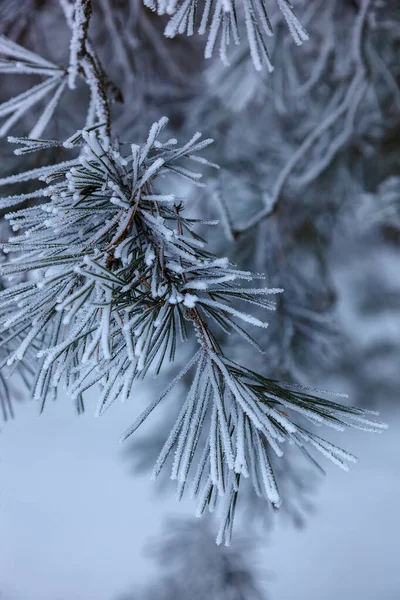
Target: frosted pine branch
(14, 59)
(116, 279)
(80, 25)
(84, 61)
(219, 19)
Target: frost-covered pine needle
(219, 21)
(117, 278)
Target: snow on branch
(84, 60)
(219, 18)
(14, 59)
(80, 26)
(117, 280)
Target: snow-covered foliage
(108, 273)
(117, 275)
(220, 19)
(14, 59)
(321, 119)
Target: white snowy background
(73, 520)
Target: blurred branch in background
(192, 567)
